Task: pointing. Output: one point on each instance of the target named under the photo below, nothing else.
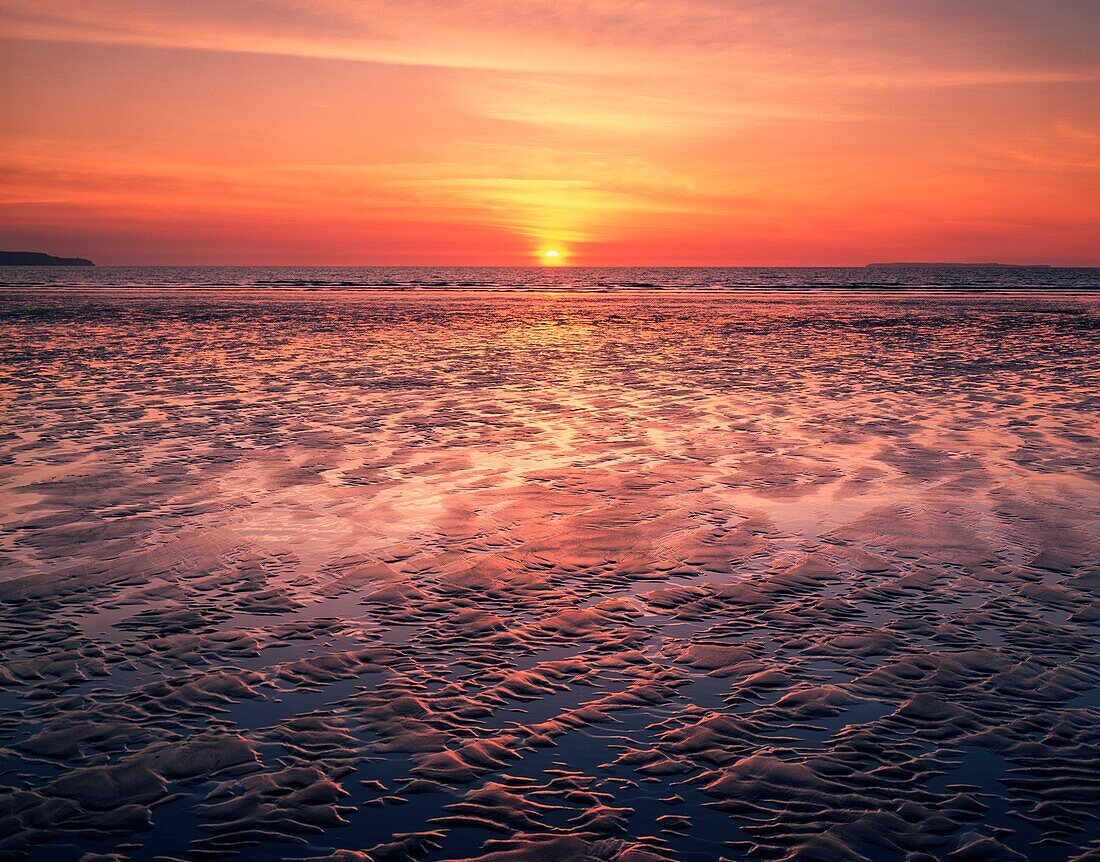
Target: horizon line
(536, 266)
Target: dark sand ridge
(368, 577)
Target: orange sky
(644, 132)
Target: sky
(488, 132)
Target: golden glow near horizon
(647, 133)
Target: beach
(366, 575)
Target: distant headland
(915, 265)
(37, 258)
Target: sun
(552, 257)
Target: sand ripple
(368, 578)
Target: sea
(875, 278)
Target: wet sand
(375, 577)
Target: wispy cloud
(591, 122)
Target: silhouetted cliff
(936, 265)
(37, 258)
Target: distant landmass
(959, 265)
(37, 258)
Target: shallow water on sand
(548, 576)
